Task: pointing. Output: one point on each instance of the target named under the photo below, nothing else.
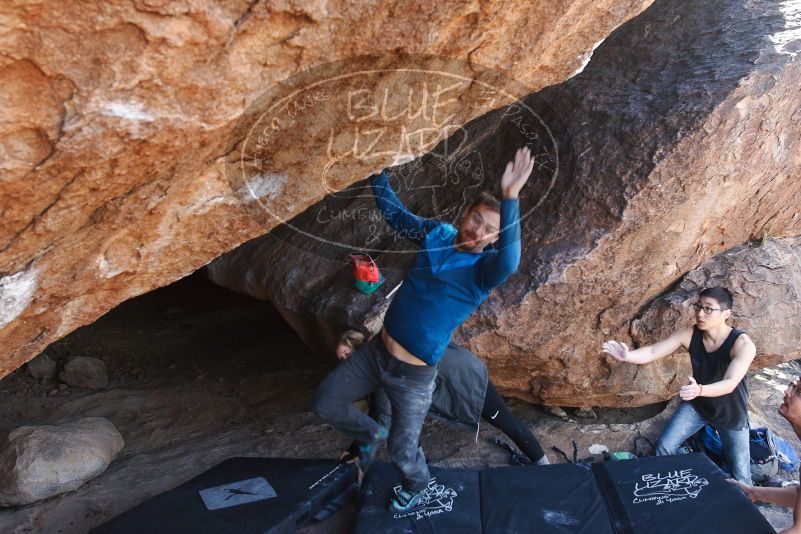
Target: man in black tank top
(717, 393)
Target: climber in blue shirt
(454, 271)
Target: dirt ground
(198, 374)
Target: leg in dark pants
(379, 408)
(496, 413)
(348, 382)
(409, 388)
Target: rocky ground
(198, 374)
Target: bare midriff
(397, 350)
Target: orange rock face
(680, 141)
(116, 118)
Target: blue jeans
(686, 422)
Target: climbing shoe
(405, 500)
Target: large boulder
(678, 141)
(43, 368)
(117, 115)
(42, 461)
(85, 372)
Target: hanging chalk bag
(367, 277)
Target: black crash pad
(550, 498)
(671, 494)
(243, 495)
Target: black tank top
(727, 411)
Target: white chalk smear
(16, 292)
(132, 111)
(261, 186)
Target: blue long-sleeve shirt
(444, 285)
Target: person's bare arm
(796, 528)
(743, 354)
(649, 353)
(782, 496)
(790, 497)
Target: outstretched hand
(617, 350)
(517, 172)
